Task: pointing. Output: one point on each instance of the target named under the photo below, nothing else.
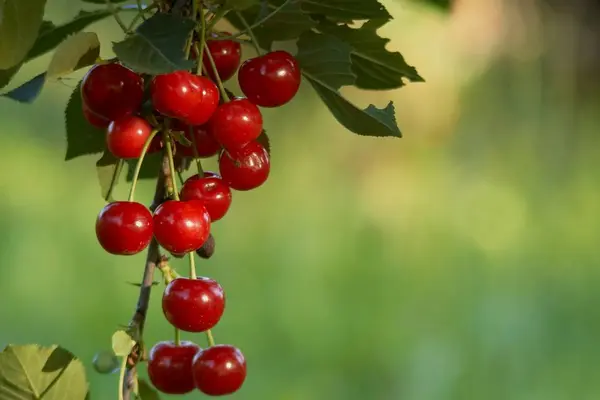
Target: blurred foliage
(459, 262)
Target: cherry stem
(250, 32)
(122, 377)
(138, 166)
(114, 179)
(115, 13)
(219, 81)
(195, 151)
(171, 164)
(140, 15)
(202, 42)
(177, 337)
(192, 266)
(259, 22)
(210, 338)
(216, 18)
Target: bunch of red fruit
(192, 106)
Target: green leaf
(33, 372)
(344, 10)
(150, 167)
(122, 343)
(326, 64)
(375, 67)
(20, 22)
(82, 137)
(77, 51)
(157, 47)
(104, 1)
(50, 36)
(29, 91)
(108, 168)
(147, 392)
(240, 4)
(287, 24)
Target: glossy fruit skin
(126, 136)
(170, 367)
(227, 56)
(236, 123)
(193, 305)
(181, 226)
(206, 146)
(182, 95)
(211, 190)
(94, 119)
(271, 80)
(219, 370)
(247, 168)
(112, 91)
(124, 228)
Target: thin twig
(153, 258)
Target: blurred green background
(459, 262)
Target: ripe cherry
(185, 96)
(181, 226)
(112, 91)
(94, 119)
(236, 123)
(206, 146)
(211, 190)
(226, 54)
(193, 305)
(124, 227)
(126, 136)
(219, 370)
(247, 168)
(270, 80)
(170, 367)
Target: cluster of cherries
(186, 105)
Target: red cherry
(170, 367)
(219, 370)
(226, 54)
(270, 80)
(124, 227)
(236, 123)
(94, 119)
(112, 91)
(211, 190)
(181, 226)
(193, 305)
(185, 96)
(245, 169)
(205, 144)
(126, 136)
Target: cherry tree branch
(153, 260)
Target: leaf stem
(259, 22)
(138, 166)
(250, 32)
(216, 73)
(171, 164)
(114, 179)
(122, 377)
(115, 13)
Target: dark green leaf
(82, 137)
(287, 24)
(375, 67)
(265, 141)
(441, 4)
(108, 168)
(34, 372)
(157, 47)
(147, 392)
(240, 4)
(150, 167)
(326, 64)
(344, 10)
(29, 91)
(104, 1)
(77, 51)
(6, 75)
(20, 22)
